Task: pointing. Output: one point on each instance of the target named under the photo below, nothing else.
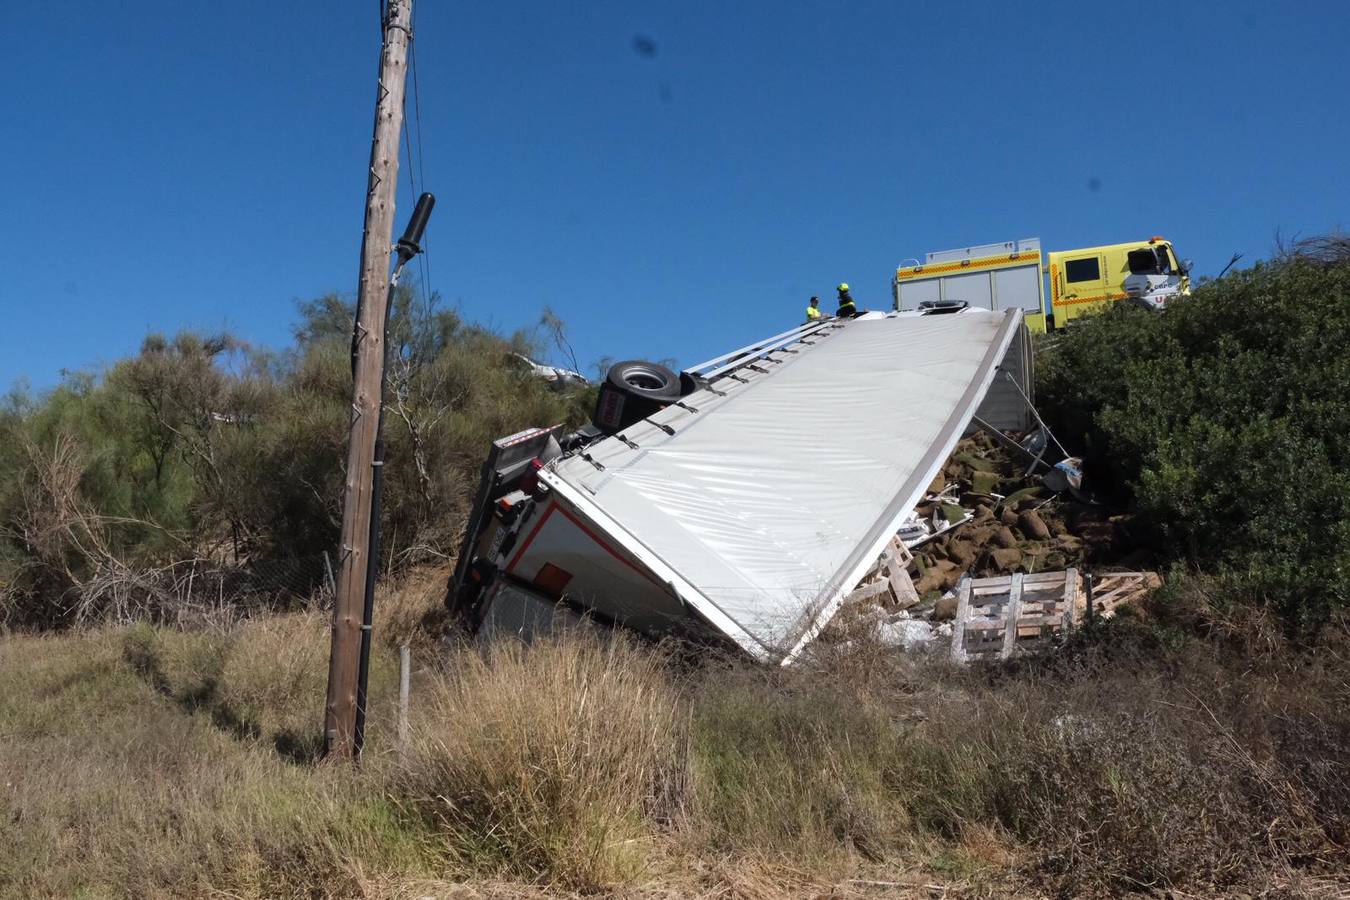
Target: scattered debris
(986, 522)
(905, 633)
(1066, 476)
(1116, 589)
(890, 579)
(1032, 525)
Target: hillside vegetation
(151, 762)
(1225, 424)
(202, 448)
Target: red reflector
(530, 483)
(552, 579)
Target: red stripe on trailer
(556, 507)
(533, 534)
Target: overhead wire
(421, 168)
(416, 169)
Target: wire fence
(195, 592)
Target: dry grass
(550, 763)
(412, 609)
(793, 766)
(116, 784)
(151, 762)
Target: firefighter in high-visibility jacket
(847, 308)
(813, 312)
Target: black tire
(648, 380)
(690, 383)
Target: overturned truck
(743, 500)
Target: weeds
(147, 762)
(789, 766)
(550, 762)
(116, 780)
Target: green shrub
(1224, 421)
(200, 447)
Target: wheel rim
(644, 381)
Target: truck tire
(690, 382)
(632, 391)
(648, 380)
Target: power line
(417, 169)
(421, 167)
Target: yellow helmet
(843, 286)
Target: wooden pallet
(1116, 589)
(889, 582)
(997, 618)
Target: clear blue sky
(202, 165)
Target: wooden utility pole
(368, 379)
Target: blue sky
(201, 165)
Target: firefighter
(813, 312)
(847, 309)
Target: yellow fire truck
(1013, 274)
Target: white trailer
(747, 508)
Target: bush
(1224, 422)
(202, 448)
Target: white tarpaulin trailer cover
(764, 501)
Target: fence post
(404, 688)
(328, 575)
(1091, 613)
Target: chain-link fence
(200, 591)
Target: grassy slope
(149, 762)
(130, 766)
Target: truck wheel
(690, 382)
(648, 380)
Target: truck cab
(1089, 279)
